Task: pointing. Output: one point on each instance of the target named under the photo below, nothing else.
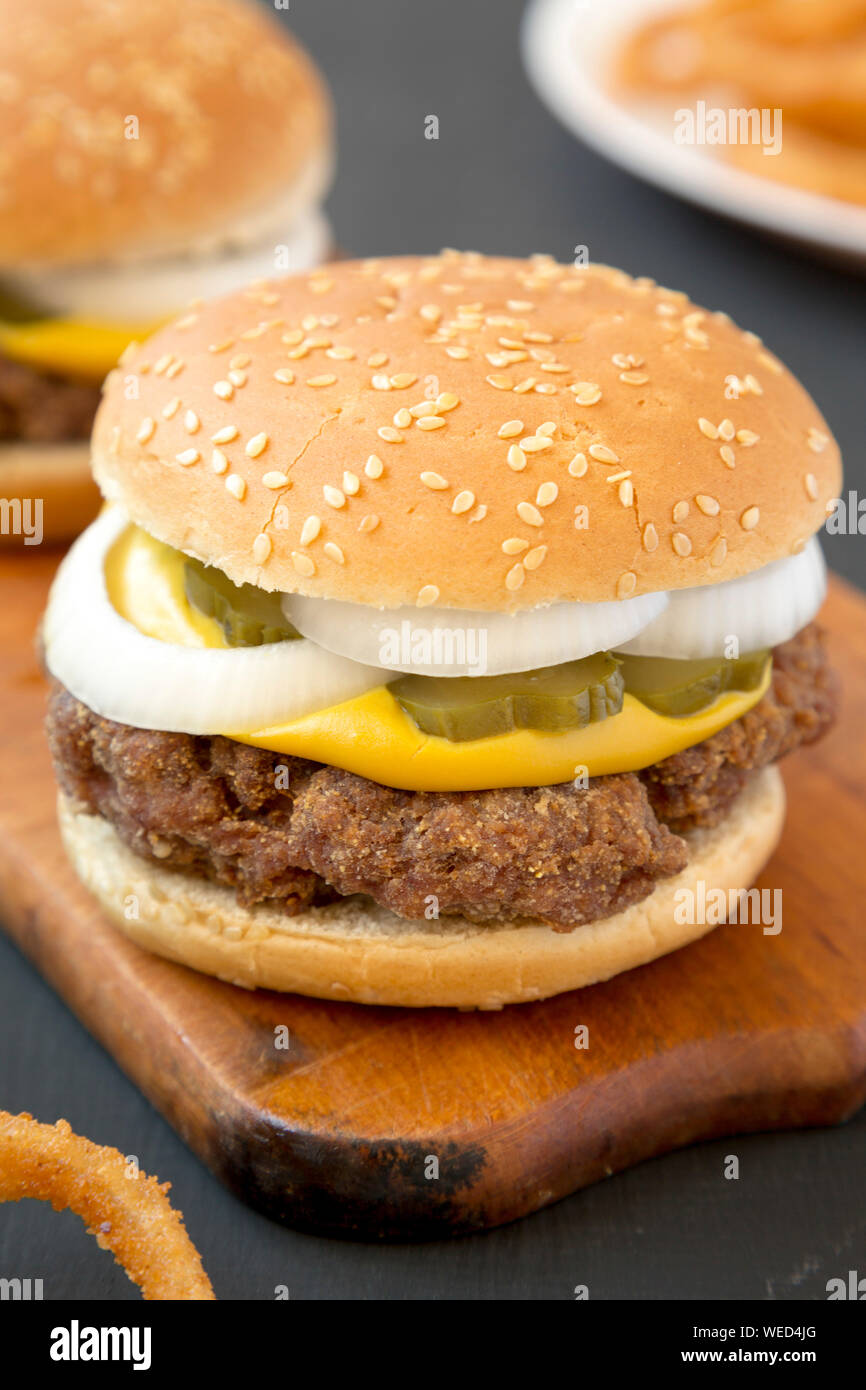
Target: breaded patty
(563, 855)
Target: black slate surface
(503, 177)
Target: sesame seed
(680, 511)
(374, 467)
(617, 477)
(368, 522)
(256, 445)
(340, 354)
(242, 360)
(523, 386)
(531, 515)
(719, 551)
(818, 441)
(146, 429)
(188, 456)
(603, 453)
(285, 375)
(403, 419)
(262, 548)
(380, 383)
(351, 483)
(333, 552)
(303, 564)
(708, 428)
(430, 312)
(236, 486)
(770, 362)
(586, 392)
(310, 530)
(533, 558)
(377, 359)
(515, 577)
(547, 494)
(224, 390)
(750, 518)
(510, 428)
(634, 378)
(161, 363)
(237, 378)
(218, 461)
(578, 466)
(810, 482)
(327, 380)
(501, 383)
(625, 491)
(752, 384)
(333, 496)
(726, 430)
(479, 514)
(274, 480)
(292, 338)
(533, 443)
(462, 502)
(171, 408)
(650, 537)
(434, 481)
(516, 458)
(431, 422)
(747, 438)
(459, 354)
(225, 435)
(726, 454)
(708, 505)
(626, 583)
(681, 543)
(402, 380)
(548, 428)
(421, 409)
(428, 594)
(446, 401)
(514, 545)
(390, 436)
(520, 306)
(191, 422)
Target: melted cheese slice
(372, 736)
(70, 347)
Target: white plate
(567, 47)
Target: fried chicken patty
(38, 407)
(303, 833)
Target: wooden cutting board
(343, 1131)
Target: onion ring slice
(131, 1217)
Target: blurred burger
(150, 154)
(445, 624)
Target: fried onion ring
(127, 1212)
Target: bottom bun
(356, 950)
(57, 475)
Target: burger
(149, 154)
(434, 655)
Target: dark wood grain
(739, 1032)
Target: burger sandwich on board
(150, 153)
(427, 655)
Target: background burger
(150, 154)
(427, 657)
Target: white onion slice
(156, 288)
(759, 609)
(122, 675)
(458, 642)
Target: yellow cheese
(372, 736)
(70, 347)
(144, 579)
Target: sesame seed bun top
(130, 127)
(468, 432)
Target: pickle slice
(557, 697)
(248, 616)
(678, 688)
